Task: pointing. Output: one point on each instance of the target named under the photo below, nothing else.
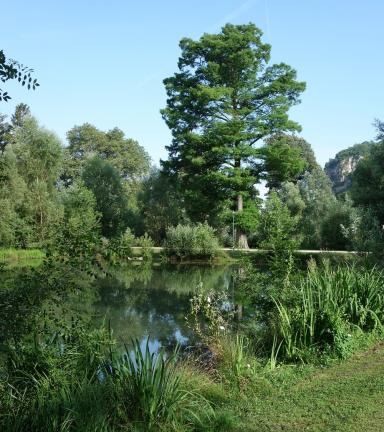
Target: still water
(153, 300)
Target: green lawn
(347, 397)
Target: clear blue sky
(103, 62)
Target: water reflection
(153, 301)
(140, 299)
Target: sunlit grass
(20, 254)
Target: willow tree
(221, 104)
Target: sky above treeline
(104, 62)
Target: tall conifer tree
(221, 104)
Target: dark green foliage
(80, 215)
(8, 130)
(146, 244)
(249, 218)
(368, 181)
(282, 163)
(77, 380)
(5, 129)
(222, 102)
(334, 303)
(160, 205)
(334, 223)
(276, 226)
(364, 234)
(309, 200)
(317, 316)
(306, 155)
(29, 169)
(105, 183)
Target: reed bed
(336, 304)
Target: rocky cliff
(341, 173)
(340, 169)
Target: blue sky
(103, 62)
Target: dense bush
(187, 241)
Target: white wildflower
(222, 327)
(349, 335)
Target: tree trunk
(40, 207)
(241, 237)
(239, 309)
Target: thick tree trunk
(241, 237)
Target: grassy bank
(309, 357)
(346, 397)
(20, 254)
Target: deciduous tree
(305, 153)
(100, 177)
(39, 154)
(124, 154)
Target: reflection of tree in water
(141, 300)
(144, 300)
(78, 302)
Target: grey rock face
(340, 173)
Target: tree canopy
(100, 177)
(368, 181)
(29, 168)
(221, 104)
(305, 153)
(129, 159)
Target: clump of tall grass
(335, 304)
(83, 382)
(152, 387)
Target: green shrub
(187, 241)
(147, 245)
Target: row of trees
(104, 181)
(91, 184)
(228, 113)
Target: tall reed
(332, 299)
(152, 385)
(74, 384)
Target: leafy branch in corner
(11, 69)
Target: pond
(153, 300)
(141, 299)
